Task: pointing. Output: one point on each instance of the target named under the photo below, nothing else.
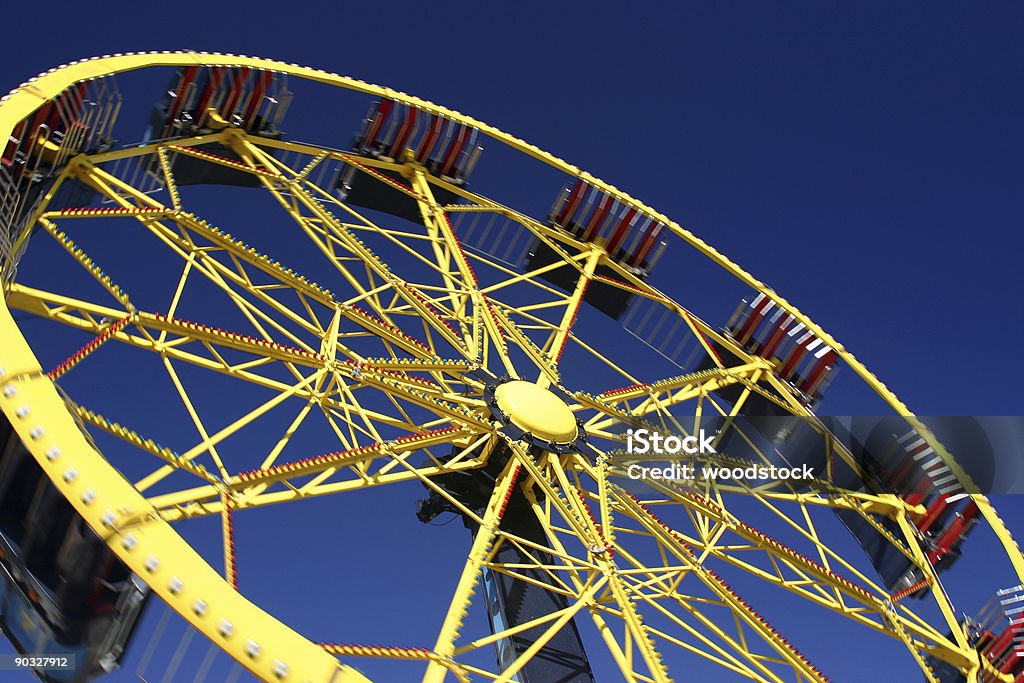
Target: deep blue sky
(866, 163)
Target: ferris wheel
(218, 321)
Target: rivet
(226, 628)
(10, 390)
(70, 475)
(199, 607)
(52, 453)
(37, 432)
(175, 585)
(280, 668)
(151, 564)
(88, 496)
(22, 411)
(108, 518)
(252, 648)
(129, 542)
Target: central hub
(537, 411)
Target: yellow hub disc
(536, 410)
